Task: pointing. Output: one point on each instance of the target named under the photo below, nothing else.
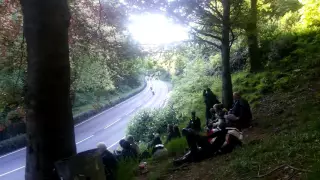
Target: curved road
(108, 127)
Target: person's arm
(215, 134)
(168, 138)
(198, 124)
(189, 125)
(242, 109)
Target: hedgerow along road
(108, 127)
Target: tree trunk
(50, 132)
(225, 56)
(252, 38)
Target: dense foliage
(147, 122)
(288, 48)
(105, 61)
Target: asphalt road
(108, 127)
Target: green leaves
(147, 122)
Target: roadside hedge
(20, 141)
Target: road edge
(19, 142)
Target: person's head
(193, 114)
(170, 128)
(130, 139)
(157, 140)
(236, 95)
(217, 107)
(176, 128)
(230, 117)
(208, 89)
(124, 144)
(101, 147)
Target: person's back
(127, 151)
(109, 161)
(176, 132)
(130, 139)
(241, 109)
(170, 133)
(195, 122)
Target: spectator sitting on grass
(176, 131)
(109, 161)
(171, 134)
(127, 151)
(194, 123)
(158, 150)
(130, 139)
(219, 139)
(241, 109)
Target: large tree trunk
(225, 54)
(50, 130)
(252, 38)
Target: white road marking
(130, 112)
(12, 152)
(109, 108)
(115, 143)
(17, 169)
(84, 139)
(12, 171)
(112, 123)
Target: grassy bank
(285, 101)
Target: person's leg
(192, 141)
(208, 115)
(220, 139)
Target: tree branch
(233, 38)
(208, 42)
(214, 8)
(206, 34)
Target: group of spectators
(129, 150)
(223, 128)
(223, 133)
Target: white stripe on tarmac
(12, 171)
(84, 139)
(12, 152)
(9, 172)
(112, 123)
(82, 122)
(115, 143)
(111, 107)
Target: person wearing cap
(194, 122)
(130, 139)
(241, 110)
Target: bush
(177, 146)
(147, 122)
(127, 169)
(12, 144)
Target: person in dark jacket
(127, 151)
(109, 161)
(241, 109)
(176, 131)
(210, 99)
(171, 134)
(194, 123)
